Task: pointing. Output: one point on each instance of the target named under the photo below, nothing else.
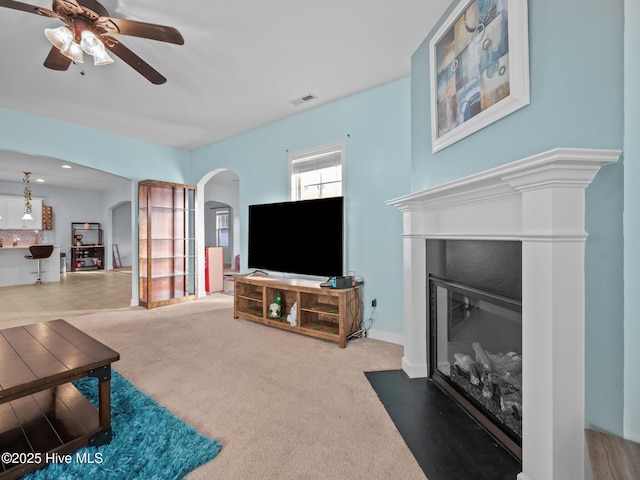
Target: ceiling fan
(89, 28)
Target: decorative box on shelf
(47, 217)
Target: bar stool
(38, 252)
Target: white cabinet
(3, 213)
(15, 212)
(36, 223)
(17, 270)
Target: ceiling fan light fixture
(92, 45)
(74, 52)
(60, 37)
(69, 43)
(102, 58)
(89, 42)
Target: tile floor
(77, 293)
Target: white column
(414, 361)
(553, 330)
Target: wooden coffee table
(42, 416)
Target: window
(317, 172)
(222, 228)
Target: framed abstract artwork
(479, 68)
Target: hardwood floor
(447, 443)
(77, 293)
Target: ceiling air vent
(301, 100)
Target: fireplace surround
(540, 202)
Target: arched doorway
(218, 218)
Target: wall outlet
(374, 302)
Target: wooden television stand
(331, 314)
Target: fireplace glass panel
(476, 346)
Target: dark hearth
(447, 444)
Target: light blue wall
(576, 65)
(30, 134)
(576, 101)
(375, 126)
(123, 156)
(632, 221)
(576, 94)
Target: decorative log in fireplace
(496, 371)
(497, 378)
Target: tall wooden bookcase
(167, 243)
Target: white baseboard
(386, 337)
(414, 371)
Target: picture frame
(479, 68)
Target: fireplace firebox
(476, 355)
(475, 331)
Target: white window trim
(219, 213)
(316, 151)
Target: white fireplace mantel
(540, 201)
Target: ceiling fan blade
(56, 60)
(135, 62)
(134, 28)
(25, 7)
(93, 5)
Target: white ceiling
(242, 64)
(52, 173)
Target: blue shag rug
(148, 441)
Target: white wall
(79, 205)
(117, 204)
(228, 195)
(631, 222)
(69, 205)
(122, 234)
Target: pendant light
(27, 197)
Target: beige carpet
(285, 406)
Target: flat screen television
(303, 237)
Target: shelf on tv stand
(330, 314)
